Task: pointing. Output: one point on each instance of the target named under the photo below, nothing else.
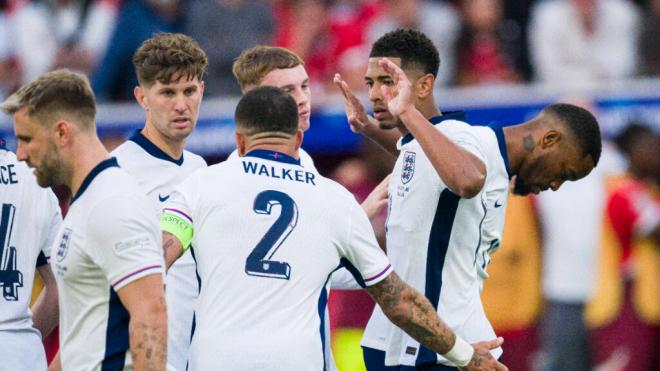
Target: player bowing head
(561, 144)
(263, 114)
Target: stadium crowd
(571, 288)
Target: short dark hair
(582, 124)
(414, 48)
(267, 109)
(166, 57)
(58, 92)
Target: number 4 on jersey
(10, 278)
(259, 261)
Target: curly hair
(582, 124)
(167, 57)
(414, 48)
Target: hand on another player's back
(357, 116)
(482, 360)
(400, 97)
(377, 199)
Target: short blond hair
(55, 92)
(255, 63)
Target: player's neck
(173, 148)
(90, 153)
(273, 144)
(428, 108)
(515, 136)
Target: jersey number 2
(259, 262)
(10, 278)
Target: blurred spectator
(438, 20)
(62, 33)
(584, 41)
(484, 46)
(325, 33)
(224, 28)
(649, 42)
(9, 74)
(138, 20)
(571, 221)
(626, 310)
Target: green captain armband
(178, 224)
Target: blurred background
(576, 283)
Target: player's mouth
(303, 114)
(381, 113)
(182, 121)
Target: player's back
(268, 234)
(29, 218)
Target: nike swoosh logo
(497, 205)
(163, 199)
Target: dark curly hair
(414, 48)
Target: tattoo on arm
(168, 242)
(413, 313)
(148, 345)
(528, 143)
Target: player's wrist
(461, 353)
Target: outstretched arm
(413, 313)
(364, 124)
(462, 172)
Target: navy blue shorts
(375, 361)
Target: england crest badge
(64, 244)
(408, 167)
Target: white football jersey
(267, 235)
(306, 160)
(110, 237)
(439, 243)
(157, 173)
(29, 220)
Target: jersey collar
(273, 156)
(501, 142)
(451, 115)
(105, 164)
(151, 148)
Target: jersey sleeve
(466, 137)
(52, 222)
(125, 239)
(361, 254)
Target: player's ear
(138, 92)
(201, 88)
(299, 138)
(62, 132)
(240, 143)
(424, 85)
(550, 138)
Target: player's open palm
(355, 112)
(399, 96)
(482, 360)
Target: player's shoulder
(124, 149)
(193, 160)
(335, 192)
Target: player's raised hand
(377, 199)
(399, 97)
(482, 360)
(357, 116)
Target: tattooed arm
(144, 300)
(172, 248)
(414, 314)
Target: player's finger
(384, 183)
(391, 68)
(495, 343)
